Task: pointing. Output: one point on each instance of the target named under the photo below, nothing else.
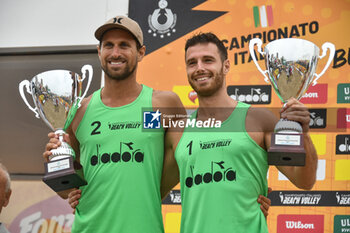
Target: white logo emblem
(344, 147)
(162, 28)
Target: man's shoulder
(80, 112)
(166, 99)
(262, 118)
(158, 94)
(258, 112)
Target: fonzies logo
(52, 214)
(162, 28)
(300, 223)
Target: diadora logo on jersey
(259, 94)
(342, 144)
(343, 93)
(341, 223)
(316, 94)
(151, 120)
(318, 118)
(217, 172)
(127, 153)
(300, 223)
(214, 144)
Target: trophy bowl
(57, 95)
(290, 68)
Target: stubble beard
(124, 75)
(218, 82)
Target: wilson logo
(300, 223)
(316, 94)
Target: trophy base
(286, 150)
(60, 175)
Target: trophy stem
(64, 151)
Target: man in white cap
(122, 162)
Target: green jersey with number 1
(222, 173)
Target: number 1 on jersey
(190, 148)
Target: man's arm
(169, 104)
(302, 177)
(54, 143)
(69, 138)
(170, 174)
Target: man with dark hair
(206, 38)
(5, 192)
(122, 165)
(222, 170)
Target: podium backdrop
(326, 208)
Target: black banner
(165, 21)
(310, 198)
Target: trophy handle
(26, 83)
(258, 42)
(83, 70)
(331, 48)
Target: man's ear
(141, 53)
(226, 66)
(98, 51)
(7, 197)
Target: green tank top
(222, 173)
(122, 165)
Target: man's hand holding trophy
(290, 67)
(57, 95)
